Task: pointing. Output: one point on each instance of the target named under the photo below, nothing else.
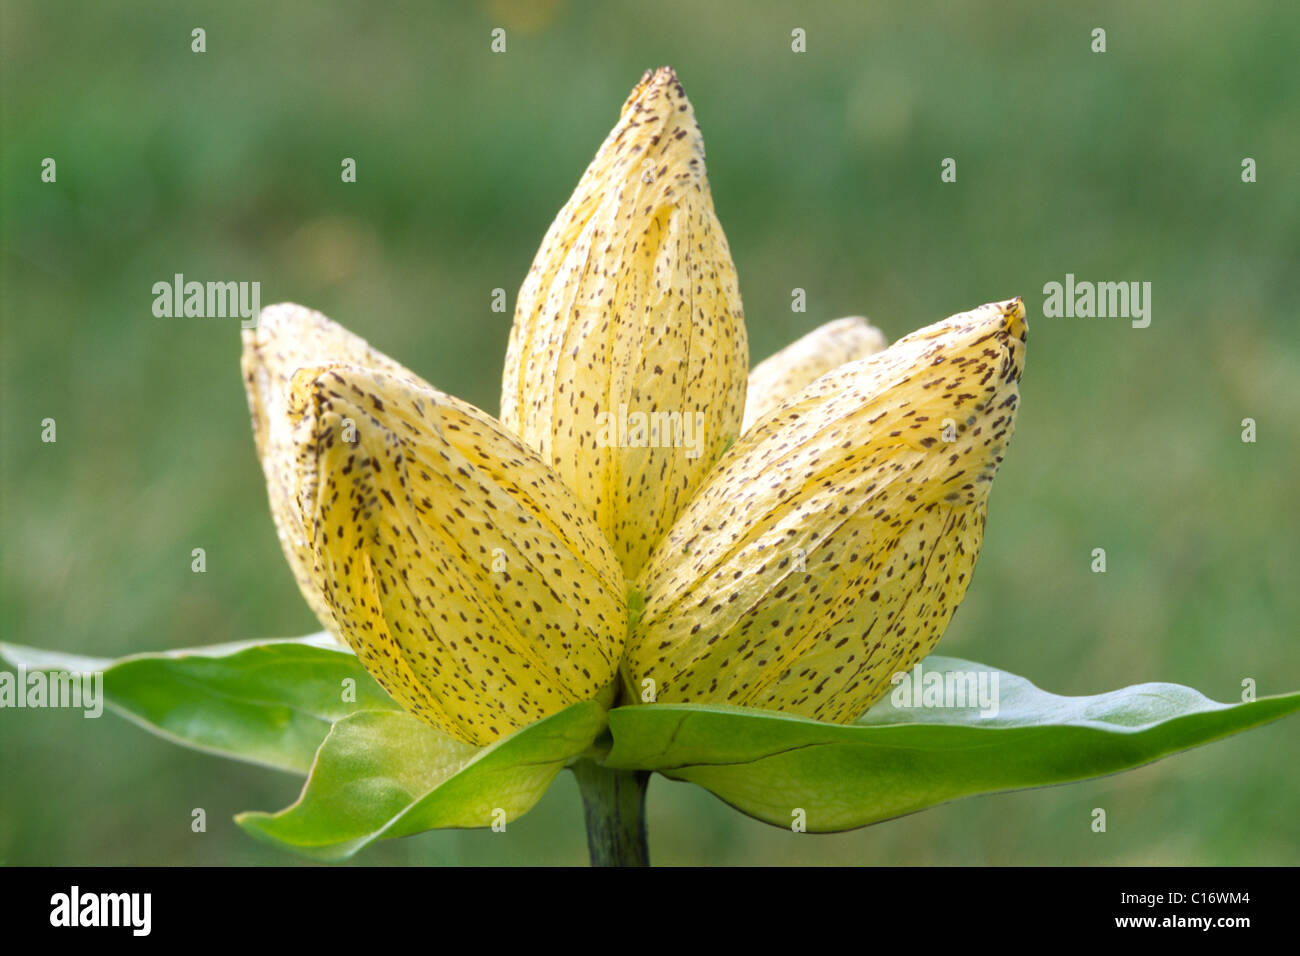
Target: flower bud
(627, 360)
(461, 570)
(832, 544)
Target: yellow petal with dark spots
(832, 544)
(466, 576)
(287, 338)
(627, 361)
(807, 359)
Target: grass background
(825, 172)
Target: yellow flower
(481, 569)
(829, 548)
(632, 308)
(466, 576)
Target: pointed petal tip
(659, 78)
(658, 117)
(1014, 318)
(1004, 321)
(1014, 332)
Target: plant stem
(613, 802)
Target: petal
(806, 359)
(831, 546)
(466, 576)
(631, 308)
(287, 338)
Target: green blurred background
(825, 173)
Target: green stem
(613, 802)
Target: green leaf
(267, 702)
(383, 774)
(898, 760)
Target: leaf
(266, 702)
(383, 774)
(897, 760)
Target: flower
(466, 576)
(829, 548)
(632, 302)
(634, 518)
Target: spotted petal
(466, 576)
(631, 314)
(831, 546)
(287, 338)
